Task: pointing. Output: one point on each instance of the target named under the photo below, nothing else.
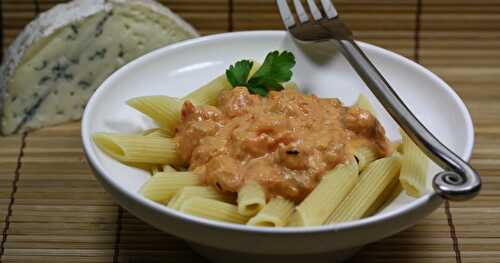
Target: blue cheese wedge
(58, 61)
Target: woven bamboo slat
(208, 16)
(59, 209)
(389, 24)
(460, 44)
(59, 212)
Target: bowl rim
(100, 172)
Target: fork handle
(459, 181)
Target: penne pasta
(164, 185)
(213, 209)
(364, 156)
(155, 169)
(142, 166)
(414, 165)
(208, 93)
(149, 131)
(198, 191)
(332, 189)
(290, 85)
(159, 133)
(388, 195)
(138, 148)
(397, 146)
(364, 103)
(275, 214)
(251, 199)
(295, 220)
(168, 168)
(374, 180)
(164, 110)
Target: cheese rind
(58, 61)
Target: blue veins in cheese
(60, 59)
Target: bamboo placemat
(53, 210)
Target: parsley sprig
(275, 70)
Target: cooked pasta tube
(374, 180)
(251, 199)
(138, 148)
(155, 169)
(290, 85)
(295, 220)
(275, 214)
(168, 168)
(142, 166)
(159, 133)
(149, 131)
(164, 185)
(331, 190)
(364, 155)
(213, 209)
(364, 103)
(209, 93)
(414, 164)
(198, 191)
(164, 110)
(397, 146)
(388, 195)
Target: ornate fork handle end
(459, 181)
(457, 187)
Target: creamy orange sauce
(285, 141)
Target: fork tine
(286, 14)
(329, 9)
(301, 13)
(314, 10)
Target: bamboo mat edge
(447, 212)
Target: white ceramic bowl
(177, 69)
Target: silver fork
(459, 181)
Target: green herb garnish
(275, 70)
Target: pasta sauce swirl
(286, 141)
